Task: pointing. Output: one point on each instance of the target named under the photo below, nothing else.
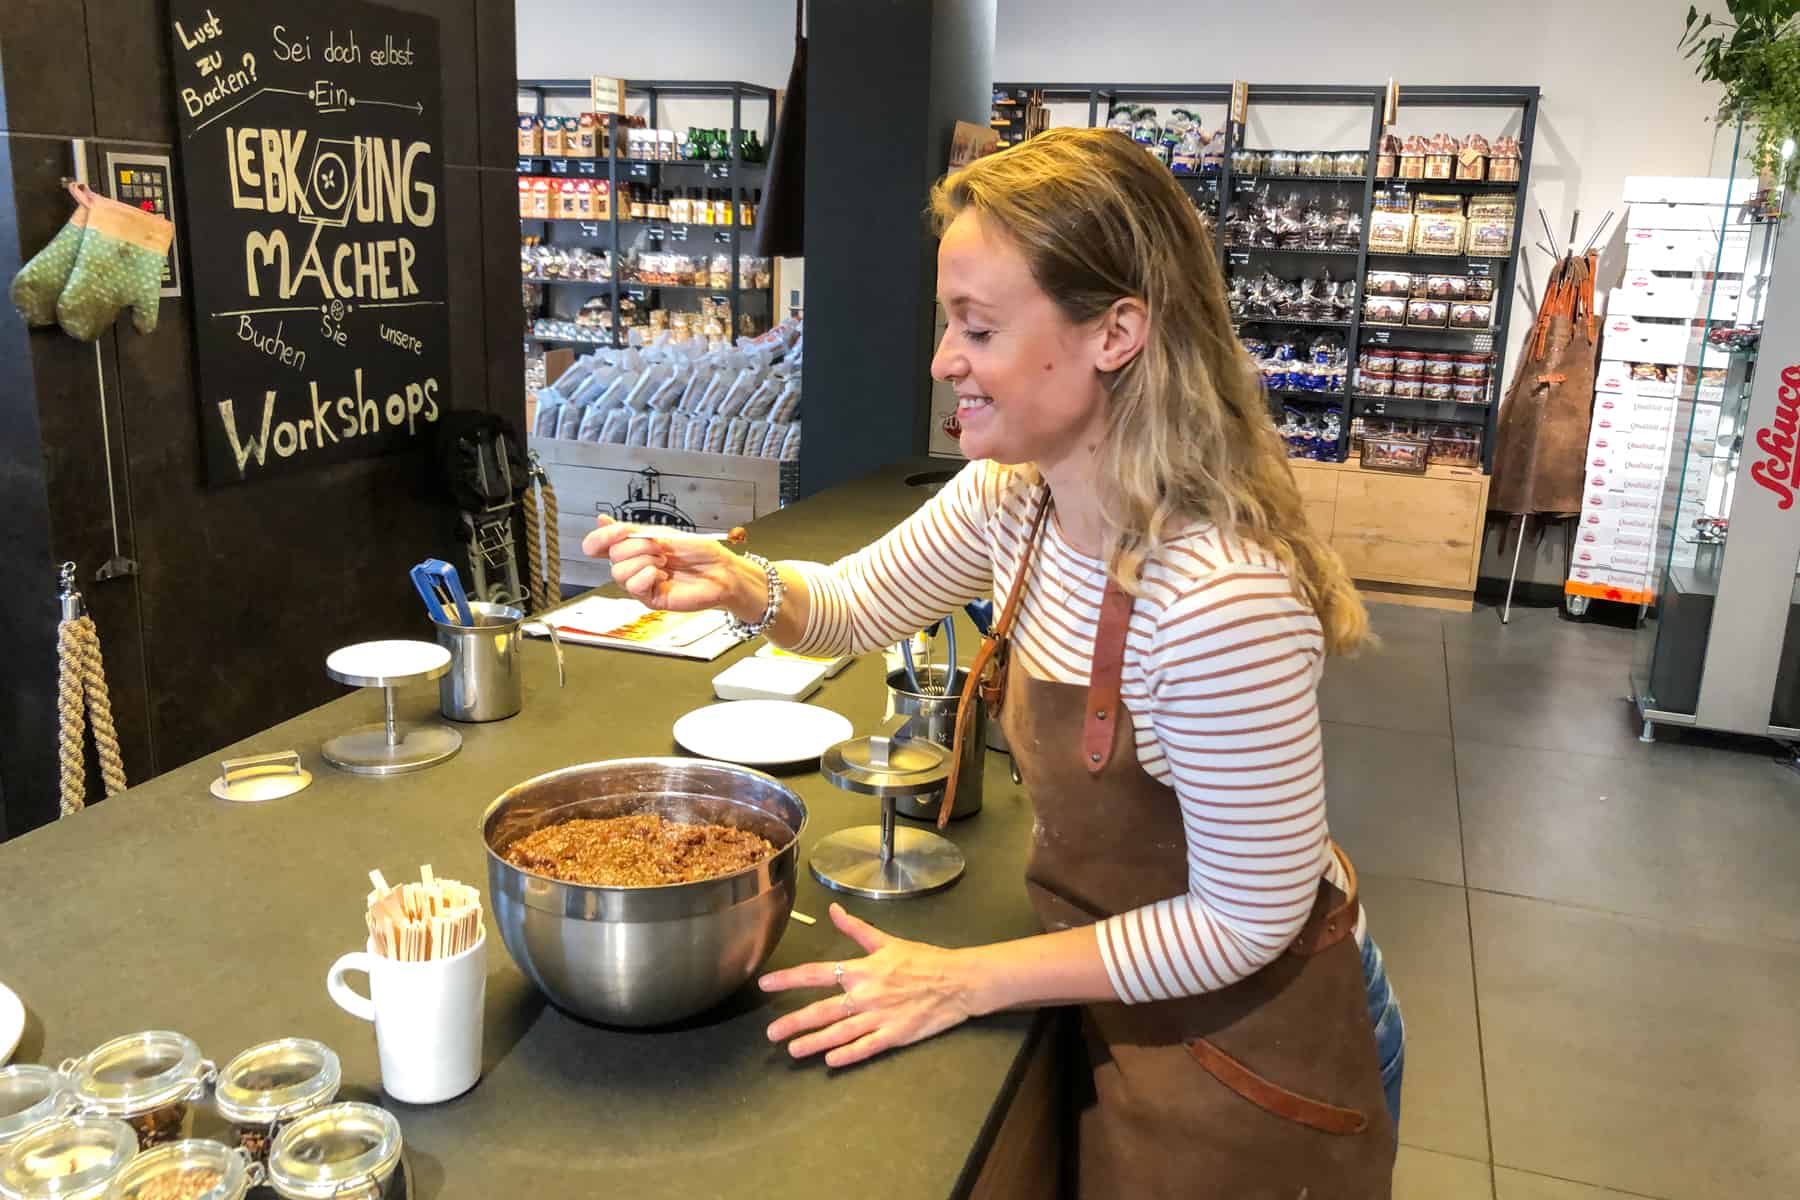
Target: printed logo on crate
(1775, 474)
(647, 504)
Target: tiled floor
(1596, 942)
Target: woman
(1168, 614)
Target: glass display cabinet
(1719, 647)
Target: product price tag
(657, 232)
(640, 170)
(1237, 258)
(1380, 337)
(721, 237)
(1481, 270)
(589, 228)
(608, 94)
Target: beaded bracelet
(777, 589)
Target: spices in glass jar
(191, 1170)
(29, 1096)
(70, 1158)
(344, 1151)
(275, 1082)
(145, 1079)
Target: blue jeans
(1390, 1029)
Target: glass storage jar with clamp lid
(340, 1152)
(271, 1084)
(71, 1158)
(197, 1169)
(29, 1096)
(148, 1080)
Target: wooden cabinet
(1408, 539)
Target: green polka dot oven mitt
(117, 263)
(40, 281)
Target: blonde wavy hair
(1188, 432)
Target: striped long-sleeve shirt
(1222, 661)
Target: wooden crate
(714, 491)
(1405, 539)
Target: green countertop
(165, 908)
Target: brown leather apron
(1269, 1088)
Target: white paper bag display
(790, 445)
(549, 412)
(568, 420)
(772, 441)
(716, 429)
(618, 421)
(592, 422)
(638, 433)
(787, 404)
(659, 430)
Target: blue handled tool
(930, 686)
(981, 612)
(438, 585)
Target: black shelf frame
(1102, 97)
(620, 169)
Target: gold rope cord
(81, 676)
(540, 527)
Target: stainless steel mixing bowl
(645, 955)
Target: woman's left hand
(902, 992)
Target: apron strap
(1104, 677)
(989, 659)
(1323, 930)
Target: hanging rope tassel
(81, 693)
(543, 564)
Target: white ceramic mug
(427, 1018)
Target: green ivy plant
(1755, 54)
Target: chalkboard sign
(313, 181)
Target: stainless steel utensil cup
(933, 711)
(486, 680)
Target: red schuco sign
(1777, 439)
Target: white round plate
(12, 1022)
(761, 733)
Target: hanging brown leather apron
(1540, 457)
(1269, 1088)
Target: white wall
(751, 40)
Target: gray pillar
(887, 80)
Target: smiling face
(1027, 378)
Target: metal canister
(933, 710)
(486, 680)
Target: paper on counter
(625, 624)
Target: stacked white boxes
(1652, 355)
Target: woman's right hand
(679, 573)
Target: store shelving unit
(1218, 192)
(741, 178)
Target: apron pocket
(1271, 1097)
